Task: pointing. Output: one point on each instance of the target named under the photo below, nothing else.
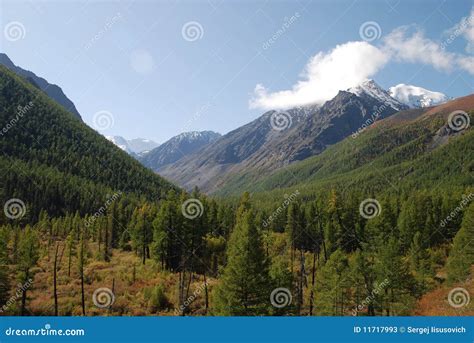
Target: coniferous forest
(372, 227)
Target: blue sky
(137, 61)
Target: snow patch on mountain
(372, 89)
(133, 146)
(417, 97)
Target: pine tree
(4, 261)
(461, 257)
(392, 270)
(81, 260)
(332, 290)
(244, 287)
(28, 257)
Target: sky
(154, 69)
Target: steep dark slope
(51, 160)
(53, 91)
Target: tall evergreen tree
(245, 287)
(461, 257)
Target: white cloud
(466, 63)
(418, 49)
(345, 66)
(465, 27)
(349, 64)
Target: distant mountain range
(177, 147)
(134, 146)
(53, 91)
(263, 146)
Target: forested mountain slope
(53, 161)
(411, 149)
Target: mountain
(142, 145)
(371, 89)
(134, 146)
(51, 160)
(277, 139)
(177, 147)
(412, 149)
(417, 97)
(53, 91)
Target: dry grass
(118, 274)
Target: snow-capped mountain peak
(417, 97)
(372, 89)
(132, 146)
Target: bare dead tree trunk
(69, 261)
(83, 301)
(206, 292)
(55, 280)
(313, 279)
(23, 294)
